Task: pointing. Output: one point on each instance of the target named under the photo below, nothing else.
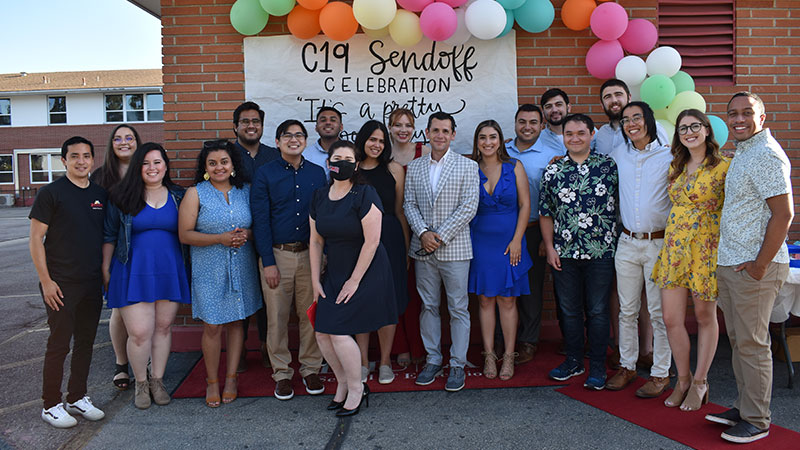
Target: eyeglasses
(695, 127)
(636, 119)
(286, 137)
(248, 122)
(217, 144)
(118, 140)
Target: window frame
(6, 115)
(146, 111)
(49, 171)
(51, 113)
(10, 171)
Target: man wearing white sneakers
(66, 238)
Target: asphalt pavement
(471, 419)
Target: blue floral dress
(225, 280)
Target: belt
(534, 223)
(294, 247)
(646, 236)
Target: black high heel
(344, 412)
(334, 405)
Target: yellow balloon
(685, 100)
(374, 14)
(404, 29)
(376, 34)
(661, 114)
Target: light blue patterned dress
(225, 284)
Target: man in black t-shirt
(66, 238)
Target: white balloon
(485, 19)
(462, 33)
(664, 61)
(632, 70)
(374, 14)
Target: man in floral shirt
(577, 215)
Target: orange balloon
(337, 21)
(303, 23)
(576, 13)
(312, 4)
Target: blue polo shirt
(279, 200)
(265, 154)
(534, 159)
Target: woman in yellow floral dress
(687, 263)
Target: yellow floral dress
(688, 258)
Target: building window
(6, 169)
(702, 31)
(5, 111)
(57, 109)
(46, 167)
(134, 108)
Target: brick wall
(18, 138)
(204, 80)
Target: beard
(612, 116)
(558, 122)
(247, 141)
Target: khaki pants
(295, 270)
(747, 304)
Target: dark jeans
(77, 319)
(584, 286)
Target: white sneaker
(385, 375)
(85, 408)
(58, 417)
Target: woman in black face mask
(356, 292)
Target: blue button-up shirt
(279, 201)
(317, 155)
(551, 141)
(534, 160)
(249, 164)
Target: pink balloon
(609, 21)
(414, 5)
(640, 37)
(602, 59)
(438, 21)
(453, 3)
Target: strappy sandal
(212, 401)
(123, 383)
(489, 365)
(507, 369)
(229, 395)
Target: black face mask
(342, 170)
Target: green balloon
(658, 91)
(248, 17)
(278, 7)
(535, 16)
(683, 82)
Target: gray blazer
(449, 211)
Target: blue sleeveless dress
(490, 271)
(155, 269)
(225, 280)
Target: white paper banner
(366, 78)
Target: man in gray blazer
(441, 198)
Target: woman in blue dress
(147, 279)
(498, 272)
(215, 221)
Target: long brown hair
(681, 155)
(502, 155)
(109, 171)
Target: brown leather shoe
(621, 379)
(526, 353)
(265, 356)
(654, 387)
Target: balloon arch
(657, 79)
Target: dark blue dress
(490, 271)
(155, 268)
(373, 305)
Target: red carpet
(257, 381)
(688, 428)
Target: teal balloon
(248, 17)
(720, 129)
(658, 91)
(509, 23)
(683, 82)
(511, 4)
(535, 16)
(278, 7)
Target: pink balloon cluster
(609, 22)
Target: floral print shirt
(582, 200)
